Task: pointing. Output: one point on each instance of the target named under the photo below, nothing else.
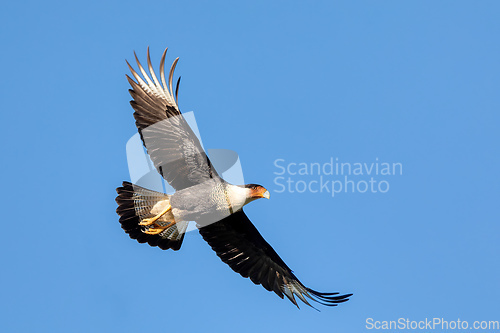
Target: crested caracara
(201, 195)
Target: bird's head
(256, 192)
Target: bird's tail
(147, 216)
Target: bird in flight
(201, 195)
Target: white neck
(238, 196)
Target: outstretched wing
(238, 243)
(174, 149)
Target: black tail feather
(130, 220)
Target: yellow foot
(148, 221)
(157, 229)
(152, 220)
(154, 231)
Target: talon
(154, 231)
(147, 221)
(157, 229)
(151, 220)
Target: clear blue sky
(412, 82)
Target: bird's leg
(154, 228)
(152, 220)
(158, 229)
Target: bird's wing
(238, 243)
(174, 149)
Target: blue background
(414, 82)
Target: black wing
(238, 243)
(174, 149)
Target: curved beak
(260, 192)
